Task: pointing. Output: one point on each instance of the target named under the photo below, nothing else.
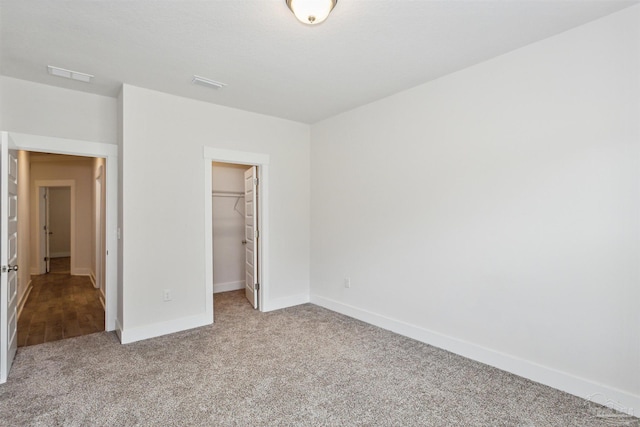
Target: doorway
(234, 224)
(55, 230)
(65, 300)
(16, 147)
(258, 165)
(57, 225)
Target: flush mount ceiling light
(69, 74)
(311, 12)
(202, 81)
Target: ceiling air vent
(197, 80)
(69, 74)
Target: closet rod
(227, 194)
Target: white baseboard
(92, 277)
(103, 300)
(80, 271)
(581, 387)
(163, 328)
(24, 298)
(118, 330)
(279, 303)
(228, 286)
(60, 255)
(34, 271)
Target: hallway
(60, 306)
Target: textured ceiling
(272, 64)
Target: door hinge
(257, 233)
(255, 181)
(257, 286)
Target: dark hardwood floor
(60, 306)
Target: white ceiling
(272, 64)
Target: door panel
(8, 255)
(251, 235)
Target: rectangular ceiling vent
(202, 81)
(69, 74)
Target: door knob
(244, 242)
(8, 268)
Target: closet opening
(235, 232)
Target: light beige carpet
(302, 366)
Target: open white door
(251, 235)
(98, 232)
(8, 255)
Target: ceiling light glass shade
(311, 11)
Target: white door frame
(98, 228)
(71, 183)
(46, 144)
(261, 160)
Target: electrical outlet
(167, 295)
(347, 282)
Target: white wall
(495, 211)
(60, 221)
(66, 168)
(228, 227)
(39, 109)
(163, 204)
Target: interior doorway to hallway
(15, 150)
(65, 298)
(54, 225)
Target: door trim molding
(261, 160)
(47, 144)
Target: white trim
(25, 297)
(92, 277)
(118, 330)
(98, 228)
(228, 286)
(81, 271)
(284, 302)
(564, 381)
(233, 156)
(48, 144)
(45, 144)
(163, 328)
(102, 300)
(261, 160)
